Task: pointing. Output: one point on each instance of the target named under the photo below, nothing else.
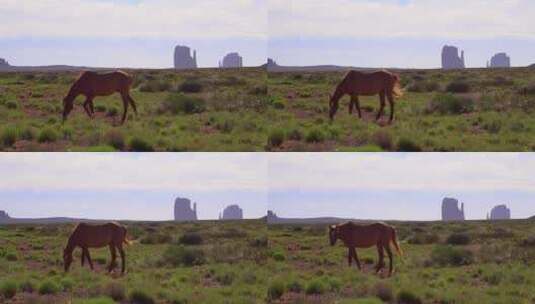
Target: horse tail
(126, 241)
(396, 88)
(395, 241)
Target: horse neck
(73, 92)
(338, 93)
(71, 244)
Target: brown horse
(96, 236)
(91, 84)
(357, 83)
(364, 236)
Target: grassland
(251, 110)
(469, 110)
(204, 262)
(471, 262)
(196, 110)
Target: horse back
(86, 235)
(103, 84)
(364, 236)
(368, 83)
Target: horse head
(333, 234)
(67, 259)
(333, 106)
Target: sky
(131, 33)
(401, 186)
(399, 33)
(381, 186)
(131, 186)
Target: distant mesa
(451, 211)
(231, 60)
(232, 212)
(271, 217)
(451, 59)
(4, 216)
(183, 58)
(183, 210)
(500, 60)
(4, 63)
(500, 212)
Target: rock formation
(451, 211)
(271, 217)
(500, 212)
(3, 63)
(451, 59)
(4, 215)
(231, 60)
(183, 211)
(232, 212)
(500, 60)
(183, 59)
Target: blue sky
(137, 186)
(391, 33)
(403, 186)
(128, 33)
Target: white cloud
(455, 19)
(413, 171)
(151, 18)
(132, 171)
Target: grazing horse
(357, 83)
(364, 236)
(96, 236)
(91, 84)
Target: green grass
(232, 269)
(249, 110)
(490, 262)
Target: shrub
(180, 103)
(315, 135)
(8, 289)
(423, 238)
(141, 297)
(458, 86)
(156, 238)
(407, 297)
(225, 278)
(139, 144)
(190, 86)
(279, 256)
(407, 145)
(275, 138)
(383, 292)
(528, 89)
(316, 287)
(66, 284)
(49, 287)
(179, 255)
(99, 300)
(115, 138)
(47, 135)
(278, 104)
(424, 86)
(493, 126)
(451, 256)
(27, 133)
(9, 136)
(458, 239)
(27, 286)
(450, 104)
(383, 139)
(100, 108)
(155, 86)
(295, 286)
(12, 104)
(116, 291)
(295, 134)
(190, 238)
(275, 290)
(11, 256)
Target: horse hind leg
(391, 102)
(349, 256)
(381, 106)
(88, 256)
(113, 261)
(87, 107)
(123, 260)
(390, 257)
(132, 103)
(125, 107)
(380, 262)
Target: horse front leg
(356, 257)
(349, 256)
(88, 256)
(88, 106)
(381, 106)
(83, 257)
(357, 103)
(351, 104)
